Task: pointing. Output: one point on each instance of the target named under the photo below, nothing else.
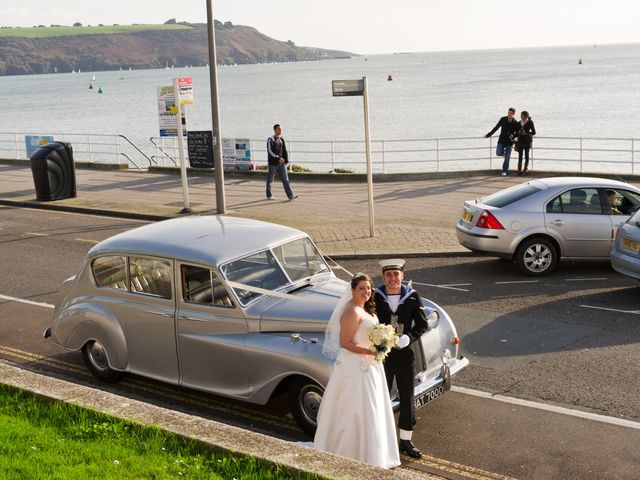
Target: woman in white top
(355, 419)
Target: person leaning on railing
(508, 128)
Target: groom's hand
(402, 342)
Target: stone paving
(412, 216)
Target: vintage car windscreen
(300, 259)
(258, 270)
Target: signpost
(184, 94)
(351, 88)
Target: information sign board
(167, 111)
(347, 88)
(236, 154)
(185, 90)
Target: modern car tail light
(488, 220)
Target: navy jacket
(411, 312)
(272, 153)
(509, 129)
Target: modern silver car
(538, 222)
(224, 305)
(625, 256)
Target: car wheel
(537, 257)
(95, 356)
(304, 402)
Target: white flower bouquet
(383, 338)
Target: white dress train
(355, 419)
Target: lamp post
(215, 113)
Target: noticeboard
(167, 112)
(200, 148)
(347, 88)
(236, 154)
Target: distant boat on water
(389, 78)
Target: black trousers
(399, 364)
(526, 156)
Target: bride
(355, 419)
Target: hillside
(65, 49)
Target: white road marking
(457, 284)
(36, 234)
(27, 302)
(86, 240)
(634, 312)
(621, 422)
(441, 286)
(517, 281)
(585, 279)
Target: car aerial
(229, 306)
(541, 221)
(625, 256)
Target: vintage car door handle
(557, 223)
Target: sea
(579, 91)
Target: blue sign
(34, 142)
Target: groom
(401, 306)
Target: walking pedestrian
(509, 127)
(278, 159)
(524, 140)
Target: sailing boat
(93, 79)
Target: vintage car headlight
(433, 318)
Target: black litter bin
(54, 171)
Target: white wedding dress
(355, 419)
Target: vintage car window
(510, 195)
(300, 259)
(110, 272)
(197, 287)
(258, 270)
(150, 275)
(579, 200)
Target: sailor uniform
(409, 319)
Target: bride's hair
(370, 305)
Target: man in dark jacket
(508, 130)
(278, 160)
(401, 306)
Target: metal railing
(448, 154)
(87, 147)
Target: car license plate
(631, 245)
(467, 216)
(429, 395)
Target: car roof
(210, 240)
(580, 181)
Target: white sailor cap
(392, 264)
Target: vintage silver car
(224, 305)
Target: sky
(368, 26)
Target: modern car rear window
(510, 195)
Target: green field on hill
(47, 32)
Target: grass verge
(46, 32)
(42, 439)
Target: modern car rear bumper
(488, 243)
(625, 264)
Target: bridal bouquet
(383, 338)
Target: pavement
(412, 216)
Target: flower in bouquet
(383, 338)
